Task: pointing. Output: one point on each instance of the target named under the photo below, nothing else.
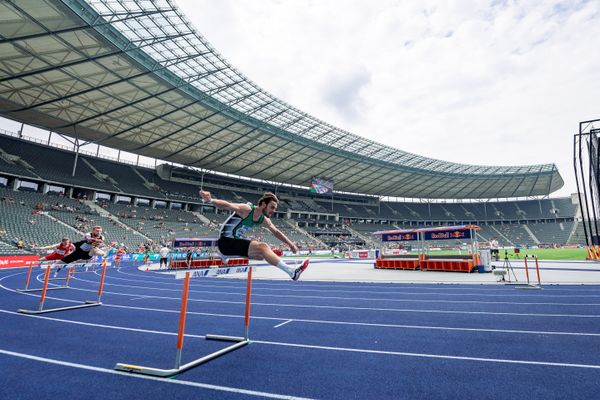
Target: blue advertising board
(448, 235)
(193, 242)
(399, 237)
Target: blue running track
(318, 340)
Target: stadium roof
(136, 76)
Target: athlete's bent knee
(263, 247)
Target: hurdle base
(223, 338)
(164, 373)
(39, 290)
(49, 310)
(529, 287)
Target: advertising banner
(17, 261)
(193, 242)
(399, 237)
(449, 234)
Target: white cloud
(498, 83)
(503, 83)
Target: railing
(72, 150)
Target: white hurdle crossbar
(43, 265)
(45, 288)
(238, 341)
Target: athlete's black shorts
(78, 254)
(233, 247)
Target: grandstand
(173, 97)
(171, 208)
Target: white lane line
(94, 325)
(329, 307)
(343, 298)
(283, 323)
(353, 350)
(506, 292)
(255, 294)
(309, 321)
(150, 378)
(315, 321)
(399, 310)
(139, 298)
(425, 355)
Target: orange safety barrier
(452, 265)
(447, 265)
(397, 263)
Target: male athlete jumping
(90, 246)
(61, 249)
(232, 241)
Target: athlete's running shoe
(300, 270)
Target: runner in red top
(118, 257)
(65, 247)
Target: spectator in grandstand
(20, 244)
(494, 252)
(164, 254)
(245, 216)
(62, 249)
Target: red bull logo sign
(447, 235)
(399, 237)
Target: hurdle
(45, 288)
(238, 342)
(530, 285)
(208, 258)
(68, 267)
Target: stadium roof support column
(76, 153)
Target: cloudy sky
(490, 83)
(469, 81)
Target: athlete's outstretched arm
(239, 208)
(279, 235)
